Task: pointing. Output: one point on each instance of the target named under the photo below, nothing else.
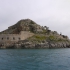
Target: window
(13, 38)
(7, 38)
(19, 38)
(2, 38)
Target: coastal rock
(27, 34)
(30, 45)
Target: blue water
(35, 59)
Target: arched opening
(2, 38)
(13, 38)
(19, 38)
(7, 38)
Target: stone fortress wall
(25, 34)
(15, 37)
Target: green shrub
(52, 38)
(38, 37)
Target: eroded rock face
(30, 45)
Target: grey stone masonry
(15, 37)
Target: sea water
(35, 59)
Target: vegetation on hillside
(41, 33)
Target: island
(27, 34)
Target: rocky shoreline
(30, 45)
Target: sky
(54, 14)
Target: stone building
(8, 38)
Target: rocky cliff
(42, 38)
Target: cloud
(53, 13)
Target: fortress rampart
(15, 37)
